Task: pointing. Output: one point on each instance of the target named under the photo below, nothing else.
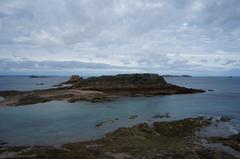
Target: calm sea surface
(60, 122)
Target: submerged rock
(106, 121)
(133, 117)
(160, 115)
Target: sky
(94, 37)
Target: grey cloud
(120, 32)
(53, 65)
(228, 62)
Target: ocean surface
(60, 122)
(25, 83)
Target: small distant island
(34, 76)
(177, 76)
(98, 89)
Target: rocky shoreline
(161, 140)
(98, 89)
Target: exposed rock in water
(31, 99)
(160, 115)
(210, 90)
(225, 119)
(233, 141)
(73, 79)
(133, 117)
(180, 128)
(104, 122)
(40, 84)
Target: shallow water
(61, 122)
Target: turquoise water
(61, 122)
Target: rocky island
(95, 89)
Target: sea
(59, 122)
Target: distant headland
(176, 76)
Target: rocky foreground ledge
(161, 140)
(97, 89)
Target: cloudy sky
(197, 37)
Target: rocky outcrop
(17, 98)
(232, 141)
(31, 99)
(73, 79)
(132, 85)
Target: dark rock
(133, 117)
(10, 93)
(31, 99)
(33, 76)
(186, 76)
(144, 127)
(180, 128)
(100, 123)
(104, 122)
(73, 79)
(210, 90)
(166, 115)
(40, 84)
(97, 99)
(212, 154)
(3, 143)
(225, 119)
(233, 141)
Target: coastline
(163, 139)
